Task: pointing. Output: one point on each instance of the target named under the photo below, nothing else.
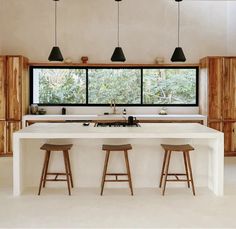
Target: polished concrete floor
(117, 209)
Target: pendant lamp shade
(55, 54)
(118, 54)
(178, 55)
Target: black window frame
(116, 67)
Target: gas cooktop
(116, 124)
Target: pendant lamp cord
(55, 23)
(178, 22)
(118, 31)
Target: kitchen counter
(141, 117)
(146, 157)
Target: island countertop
(147, 130)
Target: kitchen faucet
(113, 105)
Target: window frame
(86, 67)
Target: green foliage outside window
(121, 85)
(169, 86)
(61, 86)
(164, 86)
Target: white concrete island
(145, 159)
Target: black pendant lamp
(118, 54)
(55, 54)
(178, 55)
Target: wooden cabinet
(11, 128)
(218, 88)
(2, 137)
(6, 136)
(14, 98)
(2, 88)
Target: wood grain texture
(12, 126)
(215, 89)
(2, 88)
(14, 77)
(229, 91)
(14, 98)
(221, 85)
(2, 137)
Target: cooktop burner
(116, 124)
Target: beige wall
(88, 27)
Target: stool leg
(162, 170)
(128, 171)
(186, 168)
(46, 168)
(67, 172)
(43, 172)
(166, 171)
(105, 171)
(69, 167)
(190, 171)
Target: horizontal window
(130, 86)
(59, 86)
(121, 85)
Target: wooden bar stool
(165, 167)
(65, 149)
(108, 149)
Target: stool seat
(51, 147)
(109, 149)
(180, 148)
(117, 147)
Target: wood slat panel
(229, 136)
(215, 93)
(2, 87)
(11, 128)
(2, 137)
(14, 83)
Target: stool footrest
(58, 174)
(116, 174)
(55, 180)
(177, 180)
(175, 174)
(116, 180)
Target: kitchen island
(146, 156)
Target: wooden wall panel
(230, 137)
(216, 125)
(229, 92)
(2, 88)
(215, 93)
(11, 128)
(2, 137)
(14, 77)
(25, 91)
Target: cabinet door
(230, 137)
(14, 80)
(229, 92)
(215, 93)
(2, 137)
(2, 88)
(11, 128)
